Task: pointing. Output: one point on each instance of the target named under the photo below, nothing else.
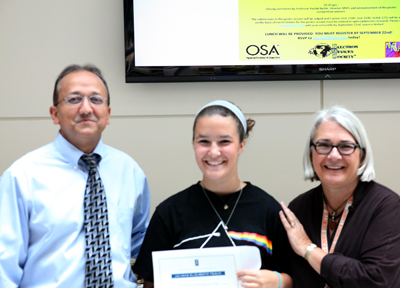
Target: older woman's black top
(367, 253)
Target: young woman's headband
(239, 114)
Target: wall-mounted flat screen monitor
(240, 40)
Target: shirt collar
(71, 153)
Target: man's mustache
(86, 117)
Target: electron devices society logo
(324, 50)
(321, 50)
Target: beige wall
(152, 122)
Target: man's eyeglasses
(343, 149)
(95, 100)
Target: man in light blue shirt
(42, 235)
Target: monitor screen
(225, 40)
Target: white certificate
(208, 267)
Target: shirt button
(75, 167)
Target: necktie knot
(91, 160)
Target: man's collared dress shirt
(42, 239)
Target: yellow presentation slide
(339, 30)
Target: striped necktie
(98, 249)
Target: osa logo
(263, 50)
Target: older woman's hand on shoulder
(299, 240)
(297, 236)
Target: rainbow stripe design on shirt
(255, 238)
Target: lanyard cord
(324, 226)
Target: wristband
(309, 249)
(280, 279)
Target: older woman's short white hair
(353, 125)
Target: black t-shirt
(186, 219)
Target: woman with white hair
(346, 231)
